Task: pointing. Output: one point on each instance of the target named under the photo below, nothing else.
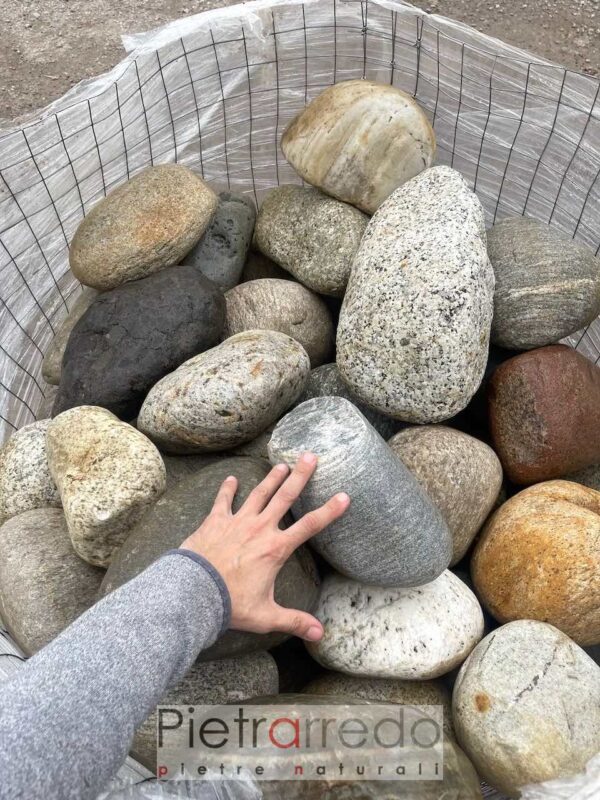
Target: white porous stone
(526, 706)
(414, 328)
(414, 633)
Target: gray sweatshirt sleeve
(68, 717)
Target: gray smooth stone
(44, 585)
(221, 252)
(178, 513)
(326, 381)
(230, 680)
(547, 285)
(392, 534)
(258, 266)
(180, 467)
(526, 706)
(52, 363)
(413, 334)
(590, 477)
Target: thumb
(298, 623)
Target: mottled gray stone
(25, 479)
(44, 585)
(310, 235)
(326, 381)
(392, 534)
(590, 476)
(414, 328)
(462, 475)
(44, 410)
(52, 363)
(414, 633)
(178, 513)
(107, 473)
(359, 140)
(258, 266)
(231, 680)
(226, 396)
(144, 225)
(221, 252)
(286, 306)
(526, 706)
(547, 285)
(132, 336)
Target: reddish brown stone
(544, 408)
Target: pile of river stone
(352, 317)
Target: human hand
(248, 548)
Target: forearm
(67, 719)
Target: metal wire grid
(525, 133)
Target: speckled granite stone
(25, 479)
(547, 285)
(412, 634)
(526, 706)
(226, 396)
(414, 328)
(392, 534)
(221, 252)
(230, 680)
(178, 513)
(544, 410)
(358, 141)
(132, 336)
(310, 235)
(52, 363)
(44, 585)
(462, 475)
(539, 558)
(284, 306)
(326, 381)
(107, 473)
(144, 225)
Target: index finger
(290, 490)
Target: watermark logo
(300, 742)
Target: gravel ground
(48, 45)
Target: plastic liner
(215, 92)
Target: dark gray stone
(326, 381)
(178, 513)
(52, 363)
(392, 534)
(44, 585)
(221, 252)
(547, 285)
(135, 334)
(259, 266)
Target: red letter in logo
(295, 725)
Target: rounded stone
(326, 381)
(225, 396)
(358, 141)
(547, 285)
(134, 335)
(52, 363)
(413, 334)
(311, 235)
(221, 252)
(44, 585)
(256, 448)
(258, 266)
(412, 634)
(285, 306)
(589, 476)
(392, 534)
(539, 558)
(178, 513)
(544, 409)
(25, 479)
(180, 467)
(107, 473)
(526, 706)
(149, 223)
(462, 475)
(230, 680)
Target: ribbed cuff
(215, 575)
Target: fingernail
(230, 478)
(313, 634)
(282, 467)
(342, 497)
(308, 458)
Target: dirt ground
(48, 45)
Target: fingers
(298, 623)
(290, 490)
(259, 497)
(225, 495)
(315, 521)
